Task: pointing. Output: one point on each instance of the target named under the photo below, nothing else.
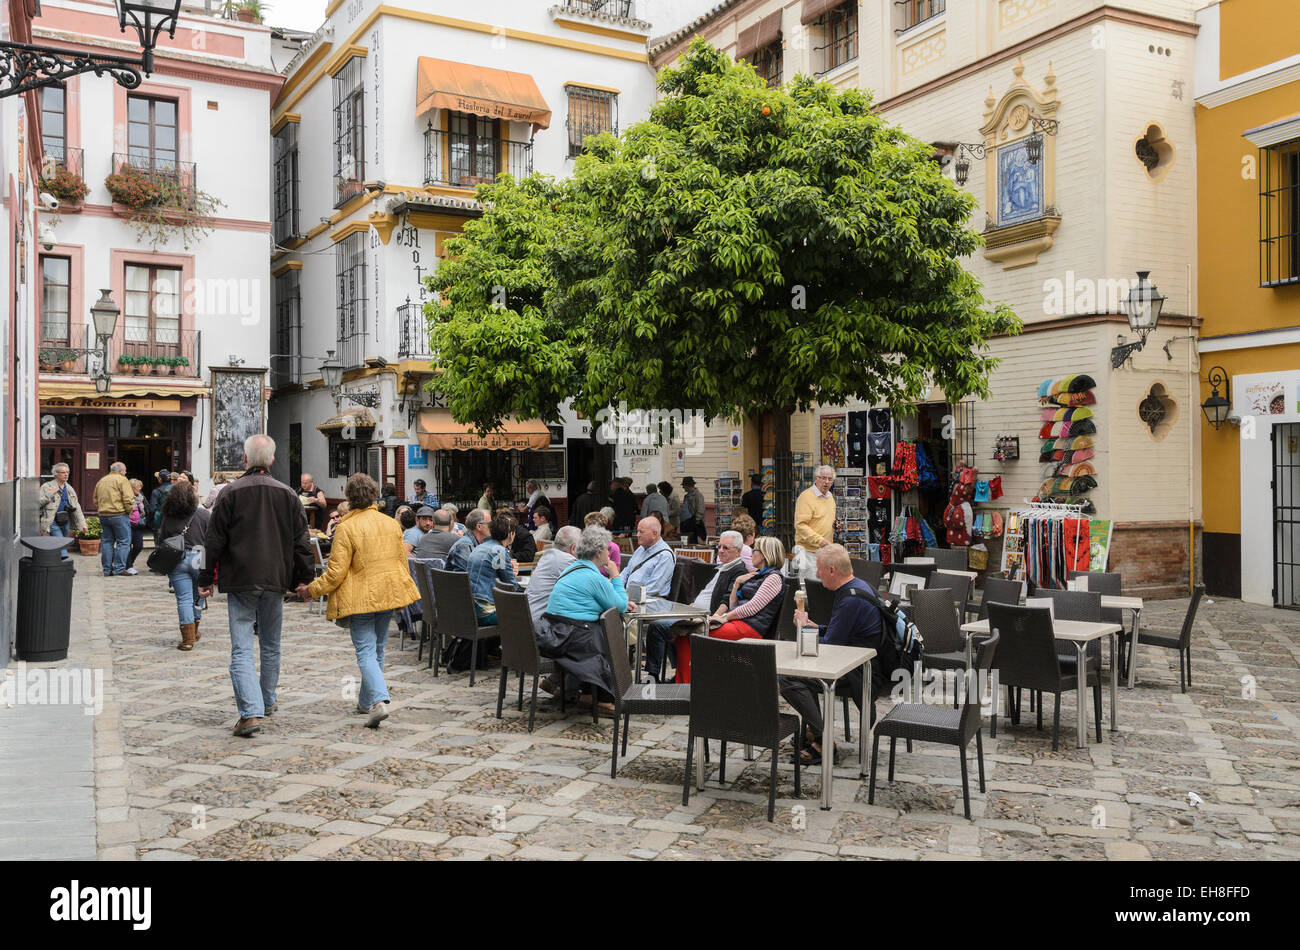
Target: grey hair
(60, 465)
(476, 518)
(259, 450)
(442, 518)
(567, 537)
(594, 539)
(119, 467)
(608, 513)
(450, 509)
(826, 468)
(735, 537)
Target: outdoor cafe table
(829, 665)
(1115, 602)
(646, 613)
(1081, 633)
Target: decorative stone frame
(1006, 121)
(1156, 136)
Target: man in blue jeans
(114, 499)
(256, 548)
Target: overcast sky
(666, 15)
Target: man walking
(61, 514)
(654, 502)
(257, 547)
(114, 500)
(814, 519)
(692, 512)
(753, 499)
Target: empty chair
(962, 587)
(998, 590)
(419, 573)
(734, 699)
(926, 722)
(456, 617)
(869, 572)
(1110, 585)
(949, 559)
(784, 629)
(1182, 642)
(519, 650)
(936, 616)
(1027, 658)
(636, 699)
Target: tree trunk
(783, 490)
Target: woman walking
(181, 514)
(139, 515)
(368, 578)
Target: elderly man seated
(438, 541)
(553, 563)
(476, 532)
(855, 622)
(651, 568)
(715, 593)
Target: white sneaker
(378, 713)
(131, 571)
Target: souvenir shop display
(910, 534)
(904, 476)
(726, 498)
(1044, 542)
(959, 516)
(851, 498)
(1068, 444)
(801, 478)
(1006, 448)
(833, 432)
(856, 451)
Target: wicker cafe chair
(1110, 585)
(948, 559)
(636, 699)
(929, 723)
(519, 650)
(869, 572)
(695, 576)
(734, 699)
(417, 566)
(935, 615)
(962, 587)
(785, 620)
(423, 571)
(998, 590)
(1028, 659)
(1182, 643)
(456, 617)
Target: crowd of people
(249, 537)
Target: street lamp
(331, 372)
(1216, 408)
(25, 66)
(1142, 306)
(1034, 144)
(962, 165)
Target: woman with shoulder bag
(183, 518)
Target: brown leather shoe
(187, 637)
(197, 636)
(248, 727)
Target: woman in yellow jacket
(367, 579)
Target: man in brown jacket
(114, 498)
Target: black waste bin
(44, 600)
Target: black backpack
(901, 643)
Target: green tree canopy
(742, 250)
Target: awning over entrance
(437, 430)
(357, 418)
(479, 90)
(50, 390)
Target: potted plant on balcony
(55, 359)
(127, 361)
(162, 203)
(176, 361)
(88, 538)
(251, 11)
(64, 184)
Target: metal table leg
(636, 670)
(828, 741)
(1114, 683)
(864, 717)
(1133, 649)
(1081, 678)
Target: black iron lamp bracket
(25, 66)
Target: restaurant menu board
(237, 408)
(1099, 545)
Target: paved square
(443, 778)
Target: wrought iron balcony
(352, 351)
(412, 332)
(140, 179)
(166, 351)
(60, 343)
(623, 8)
(463, 161)
(62, 172)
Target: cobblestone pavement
(443, 778)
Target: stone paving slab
(444, 779)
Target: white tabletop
(1079, 631)
(1116, 602)
(971, 574)
(830, 663)
(918, 560)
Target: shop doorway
(588, 461)
(144, 457)
(1286, 515)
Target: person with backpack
(855, 621)
(183, 515)
(156, 500)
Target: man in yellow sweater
(114, 499)
(814, 516)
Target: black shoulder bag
(168, 554)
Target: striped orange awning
(479, 90)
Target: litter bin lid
(46, 549)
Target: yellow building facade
(1248, 208)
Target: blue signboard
(417, 457)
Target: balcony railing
(62, 171)
(412, 332)
(144, 179)
(57, 337)
(608, 7)
(352, 351)
(164, 352)
(457, 160)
